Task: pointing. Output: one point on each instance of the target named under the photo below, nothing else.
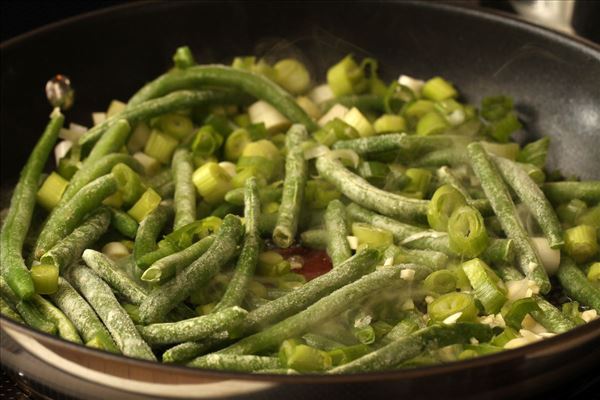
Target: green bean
(116, 319)
(26, 309)
(7, 311)
(164, 298)
(22, 203)
(83, 316)
(124, 223)
(504, 208)
(184, 352)
(220, 75)
(315, 239)
(241, 363)
(550, 317)
(316, 313)
(364, 102)
(161, 178)
(100, 167)
(563, 192)
(576, 284)
(412, 322)
(164, 249)
(417, 238)
(430, 258)
(150, 228)
(147, 110)
(185, 192)
(165, 268)
(410, 346)
(296, 171)
(267, 194)
(402, 143)
(360, 191)
(508, 273)
(69, 250)
(65, 327)
(68, 215)
(533, 197)
(452, 156)
(321, 342)
(246, 264)
(336, 228)
(105, 268)
(300, 298)
(220, 322)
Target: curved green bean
(69, 250)
(361, 192)
(64, 326)
(576, 284)
(246, 264)
(124, 223)
(150, 228)
(22, 203)
(242, 363)
(68, 215)
(175, 101)
(562, 192)
(220, 75)
(166, 297)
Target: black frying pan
(554, 79)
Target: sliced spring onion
(272, 264)
(150, 164)
(418, 186)
(45, 278)
(431, 123)
(358, 121)
(139, 137)
(346, 77)
(114, 108)
(516, 311)
(206, 141)
(389, 123)
(335, 130)
(415, 85)
(488, 288)
(235, 144)
(309, 107)
(212, 182)
(145, 205)
(129, 183)
(183, 57)
(177, 125)
(292, 75)
(506, 150)
(160, 146)
(51, 191)
(466, 232)
(444, 202)
(438, 89)
(442, 281)
(581, 242)
(372, 236)
(453, 303)
(320, 94)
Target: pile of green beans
(234, 218)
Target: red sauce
(316, 262)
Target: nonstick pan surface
(109, 54)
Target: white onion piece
(425, 234)
(452, 318)
(315, 151)
(337, 111)
(353, 242)
(98, 117)
(115, 250)
(321, 94)
(61, 150)
(78, 128)
(71, 136)
(550, 257)
(407, 274)
(151, 165)
(229, 167)
(345, 155)
(261, 111)
(517, 289)
(139, 137)
(413, 84)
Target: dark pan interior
(109, 55)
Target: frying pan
(109, 54)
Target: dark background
(18, 17)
